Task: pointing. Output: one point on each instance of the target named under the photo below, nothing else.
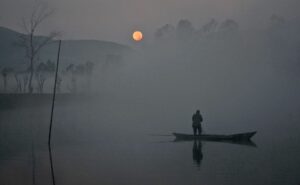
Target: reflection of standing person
(197, 152)
(197, 119)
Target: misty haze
(149, 92)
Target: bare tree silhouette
(28, 41)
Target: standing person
(197, 119)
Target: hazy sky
(115, 19)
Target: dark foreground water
(112, 144)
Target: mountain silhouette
(73, 51)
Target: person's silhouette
(197, 119)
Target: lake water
(100, 142)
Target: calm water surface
(113, 145)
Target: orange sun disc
(137, 36)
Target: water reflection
(197, 152)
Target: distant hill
(72, 51)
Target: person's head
(198, 112)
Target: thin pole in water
(51, 118)
(54, 93)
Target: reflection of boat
(242, 138)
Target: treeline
(277, 43)
(185, 30)
(16, 80)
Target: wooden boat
(242, 137)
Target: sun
(137, 36)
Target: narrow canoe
(208, 137)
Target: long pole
(51, 118)
(54, 93)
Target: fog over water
(242, 78)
